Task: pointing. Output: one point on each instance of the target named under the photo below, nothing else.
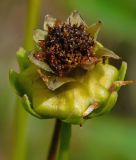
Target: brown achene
(66, 47)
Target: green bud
(89, 89)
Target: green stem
(20, 132)
(54, 143)
(64, 141)
(21, 120)
(34, 7)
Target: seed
(66, 47)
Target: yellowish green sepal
(22, 57)
(70, 101)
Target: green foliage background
(118, 16)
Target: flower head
(66, 75)
(62, 47)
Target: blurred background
(110, 137)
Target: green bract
(84, 94)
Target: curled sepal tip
(122, 71)
(28, 107)
(14, 80)
(22, 57)
(107, 107)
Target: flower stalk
(54, 142)
(21, 121)
(64, 141)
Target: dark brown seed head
(66, 47)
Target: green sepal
(22, 57)
(110, 103)
(14, 80)
(108, 106)
(28, 106)
(113, 97)
(71, 100)
(122, 71)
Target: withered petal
(39, 64)
(52, 81)
(76, 19)
(38, 35)
(94, 29)
(48, 21)
(101, 51)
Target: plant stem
(54, 142)
(20, 132)
(34, 7)
(64, 141)
(21, 121)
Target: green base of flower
(69, 102)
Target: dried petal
(94, 29)
(48, 21)
(76, 19)
(40, 64)
(53, 82)
(104, 52)
(117, 84)
(88, 67)
(39, 35)
(90, 109)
